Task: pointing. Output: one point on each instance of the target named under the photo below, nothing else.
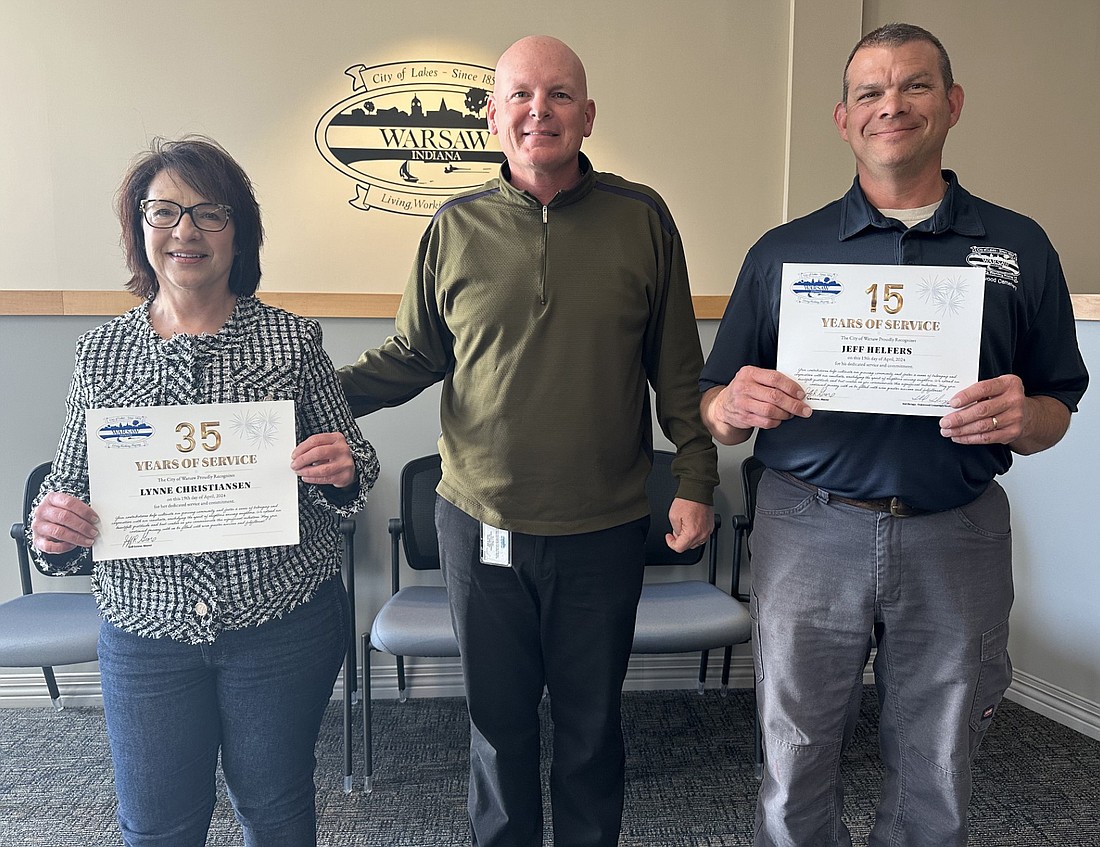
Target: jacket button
(201, 609)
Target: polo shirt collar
(957, 212)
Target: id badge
(496, 546)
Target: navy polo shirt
(1027, 329)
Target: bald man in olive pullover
(548, 302)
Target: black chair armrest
(396, 528)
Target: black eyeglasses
(165, 214)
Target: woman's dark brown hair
(209, 170)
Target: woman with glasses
(234, 652)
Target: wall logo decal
(411, 134)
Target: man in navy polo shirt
(891, 526)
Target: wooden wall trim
(327, 304)
(1086, 307)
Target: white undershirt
(912, 217)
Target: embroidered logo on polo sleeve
(1001, 266)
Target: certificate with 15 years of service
(893, 339)
(167, 480)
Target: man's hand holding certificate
(191, 479)
(895, 339)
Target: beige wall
(1030, 129)
(683, 93)
(724, 106)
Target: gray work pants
(935, 591)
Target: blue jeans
(256, 694)
(562, 616)
(935, 591)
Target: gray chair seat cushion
(416, 621)
(49, 628)
(683, 617)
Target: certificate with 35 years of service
(167, 480)
(894, 339)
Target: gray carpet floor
(690, 779)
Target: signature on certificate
(139, 538)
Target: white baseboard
(1056, 703)
(28, 688)
(424, 678)
(443, 678)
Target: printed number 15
(892, 300)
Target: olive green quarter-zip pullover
(547, 325)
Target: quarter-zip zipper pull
(542, 282)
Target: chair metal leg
(347, 530)
(726, 660)
(368, 747)
(51, 684)
(352, 647)
(704, 657)
(402, 694)
(349, 684)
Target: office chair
(47, 628)
(673, 617)
(415, 621)
(55, 628)
(751, 471)
(688, 615)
